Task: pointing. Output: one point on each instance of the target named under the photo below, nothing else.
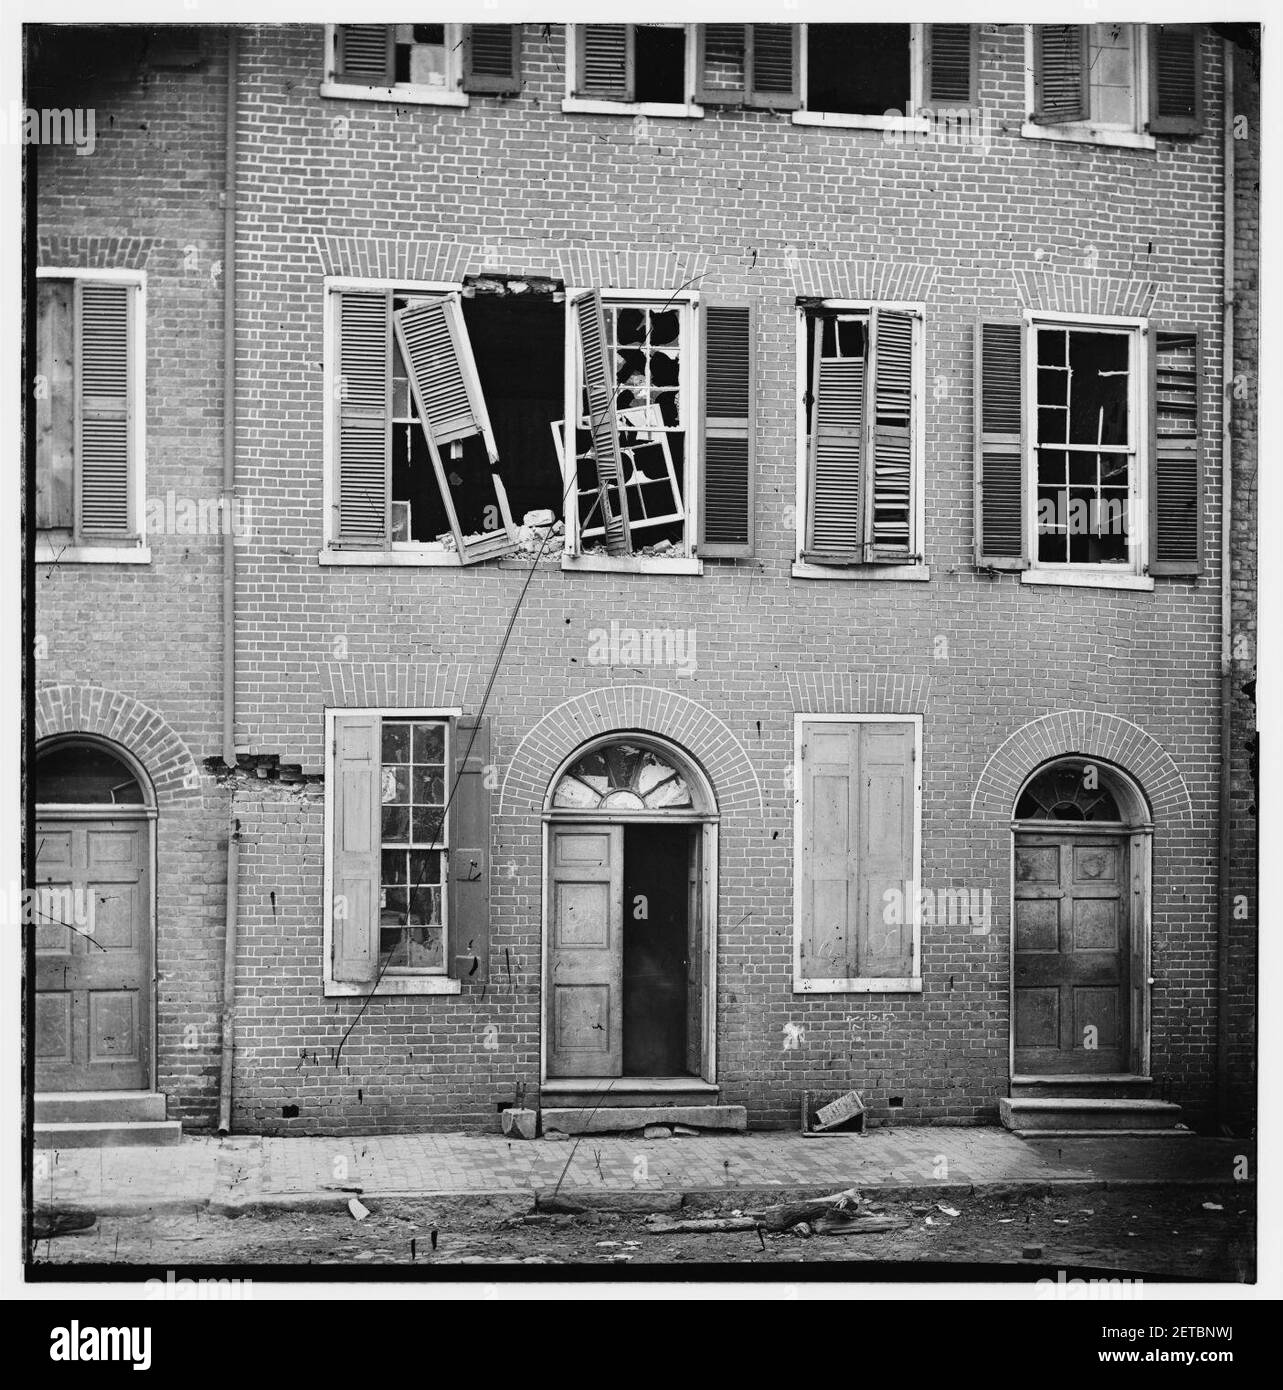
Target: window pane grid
(413, 859)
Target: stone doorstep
(625, 1117)
(106, 1134)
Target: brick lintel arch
(1084, 733)
(647, 709)
(91, 709)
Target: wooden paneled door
(93, 943)
(1072, 957)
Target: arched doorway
(629, 935)
(1081, 855)
(92, 918)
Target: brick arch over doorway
(68, 709)
(647, 709)
(1086, 734)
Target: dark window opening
(660, 63)
(79, 774)
(858, 69)
(421, 54)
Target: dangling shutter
(364, 413)
(105, 426)
(1061, 65)
(492, 58)
(950, 65)
(1001, 542)
(726, 513)
(888, 520)
(447, 393)
(365, 54)
(469, 872)
(774, 72)
(599, 386)
(606, 62)
(838, 384)
(357, 846)
(884, 940)
(1175, 79)
(721, 56)
(1176, 455)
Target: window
(422, 63)
(89, 415)
(857, 853)
(407, 810)
(861, 432)
(646, 67)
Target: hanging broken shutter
(492, 58)
(1000, 538)
(469, 839)
(888, 512)
(726, 513)
(357, 846)
(950, 78)
(364, 418)
(774, 71)
(1061, 65)
(365, 54)
(721, 59)
(838, 387)
(606, 62)
(447, 395)
(1176, 455)
(104, 424)
(885, 870)
(599, 388)
(1175, 79)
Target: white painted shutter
(357, 846)
(888, 520)
(599, 386)
(838, 390)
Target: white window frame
(905, 120)
(905, 984)
(917, 570)
(691, 396)
(596, 106)
(1096, 132)
(403, 93)
(1129, 575)
(404, 981)
(138, 552)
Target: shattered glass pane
(396, 742)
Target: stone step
(608, 1119)
(1096, 1087)
(628, 1091)
(1032, 1115)
(57, 1107)
(105, 1134)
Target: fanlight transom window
(1070, 792)
(622, 777)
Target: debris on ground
(358, 1208)
(1212, 1206)
(657, 1132)
(699, 1225)
(948, 1211)
(61, 1221)
(786, 1214)
(840, 1224)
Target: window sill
(845, 120)
(401, 96)
(805, 569)
(905, 984)
(633, 564)
(1086, 579)
(437, 559)
(1090, 135)
(47, 554)
(586, 106)
(398, 984)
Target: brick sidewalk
(238, 1172)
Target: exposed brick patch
(94, 252)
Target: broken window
(858, 69)
(412, 910)
(632, 63)
(427, 60)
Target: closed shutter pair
(365, 55)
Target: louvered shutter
(364, 418)
(492, 58)
(599, 388)
(1175, 79)
(104, 423)
(721, 58)
(726, 513)
(1176, 454)
(447, 394)
(469, 868)
(1061, 66)
(834, 533)
(1001, 542)
(774, 72)
(606, 62)
(357, 846)
(365, 54)
(950, 65)
(888, 518)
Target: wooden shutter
(1001, 542)
(365, 54)
(357, 846)
(950, 65)
(469, 839)
(884, 940)
(606, 62)
(599, 387)
(1175, 79)
(1176, 454)
(104, 418)
(774, 72)
(364, 418)
(55, 404)
(447, 393)
(721, 61)
(492, 58)
(888, 513)
(834, 534)
(726, 513)
(1061, 66)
